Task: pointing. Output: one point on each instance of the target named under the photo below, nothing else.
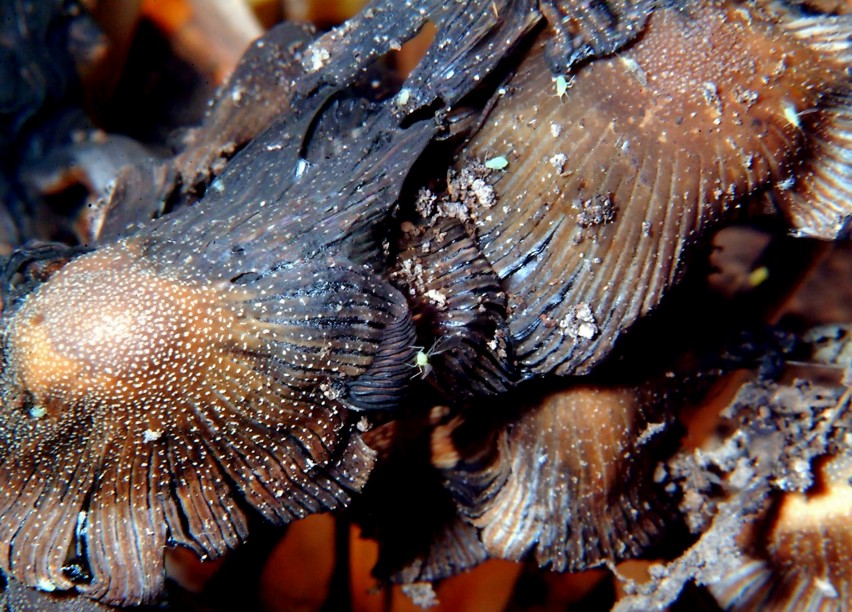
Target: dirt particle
(598, 210)
(579, 323)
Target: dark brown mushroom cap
(816, 195)
(583, 29)
(457, 302)
(568, 481)
(606, 186)
(156, 387)
(802, 559)
(144, 405)
(259, 91)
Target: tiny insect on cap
(137, 387)
(614, 181)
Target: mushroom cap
(457, 299)
(800, 559)
(146, 405)
(610, 180)
(568, 480)
(106, 330)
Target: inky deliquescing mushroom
(797, 557)
(156, 388)
(794, 552)
(765, 489)
(610, 172)
(140, 397)
(575, 207)
(567, 481)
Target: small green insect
(496, 163)
(563, 84)
(423, 360)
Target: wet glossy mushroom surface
(611, 177)
(568, 479)
(205, 377)
(452, 257)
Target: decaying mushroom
(195, 369)
(795, 552)
(584, 192)
(608, 179)
(215, 356)
(799, 555)
(568, 479)
(205, 364)
(767, 491)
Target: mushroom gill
(611, 172)
(157, 390)
(815, 196)
(458, 303)
(569, 480)
(145, 404)
(800, 558)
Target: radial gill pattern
(458, 302)
(568, 481)
(800, 558)
(611, 172)
(145, 405)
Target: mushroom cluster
(350, 262)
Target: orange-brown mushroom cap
(146, 405)
(568, 481)
(106, 330)
(802, 559)
(612, 172)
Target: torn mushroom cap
(141, 400)
(802, 560)
(568, 480)
(608, 183)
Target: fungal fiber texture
(568, 481)
(144, 405)
(614, 175)
(799, 557)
